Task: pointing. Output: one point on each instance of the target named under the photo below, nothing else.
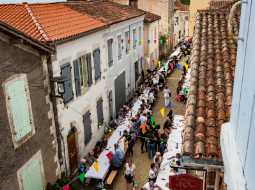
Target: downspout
(60, 138)
(231, 15)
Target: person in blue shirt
(117, 157)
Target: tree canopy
(186, 2)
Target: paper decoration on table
(162, 112)
(82, 177)
(178, 66)
(109, 155)
(96, 166)
(66, 187)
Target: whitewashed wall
(181, 26)
(126, 63)
(238, 140)
(73, 111)
(151, 47)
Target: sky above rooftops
(29, 1)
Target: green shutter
(31, 176)
(19, 108)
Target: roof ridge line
(37, 24)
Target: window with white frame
(119, 47)
(134, 38)
(19, 109)
(82, 73)
(31, 174)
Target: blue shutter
(19, 108)
(96, 57)
(77, 77)
(89, 67)
(87, 127)
(100, 114)
(66, 74)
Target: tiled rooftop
(47, 22)
(150, 17)
(217, 4)
(106, 11)
(213, 62)
(180, 6)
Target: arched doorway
(72, 150)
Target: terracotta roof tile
(47, 22)
(219, 4)
(151, 17)
(106, 11)
(213, 62)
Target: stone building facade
(28, 148)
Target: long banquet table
(103, 161)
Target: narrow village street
(141, 160)
(127, 95)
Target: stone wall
(22, 59)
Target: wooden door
(72, 151)
(110, 105)
(120, 91)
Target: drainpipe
(60, 138)
(231, 15)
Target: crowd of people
(143, 127)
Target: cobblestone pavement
(141, 160)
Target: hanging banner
(185, 182)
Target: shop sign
(185, 182)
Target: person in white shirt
(129, 173)
(153, 172)
(143, 118)
(167, 95)
(150, 185)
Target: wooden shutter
(110, 58)
(19, 106)
(89, 67)
(77, 77)
(66, 74)
(87, 127)
(96, 57)
(100, 114)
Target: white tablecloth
(173, 146)
(176, 52)
(103, 161)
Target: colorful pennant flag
(178, 66)
(66, 187)
(186, 66)
(162, 112)
(82, 177)
(96, 166)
